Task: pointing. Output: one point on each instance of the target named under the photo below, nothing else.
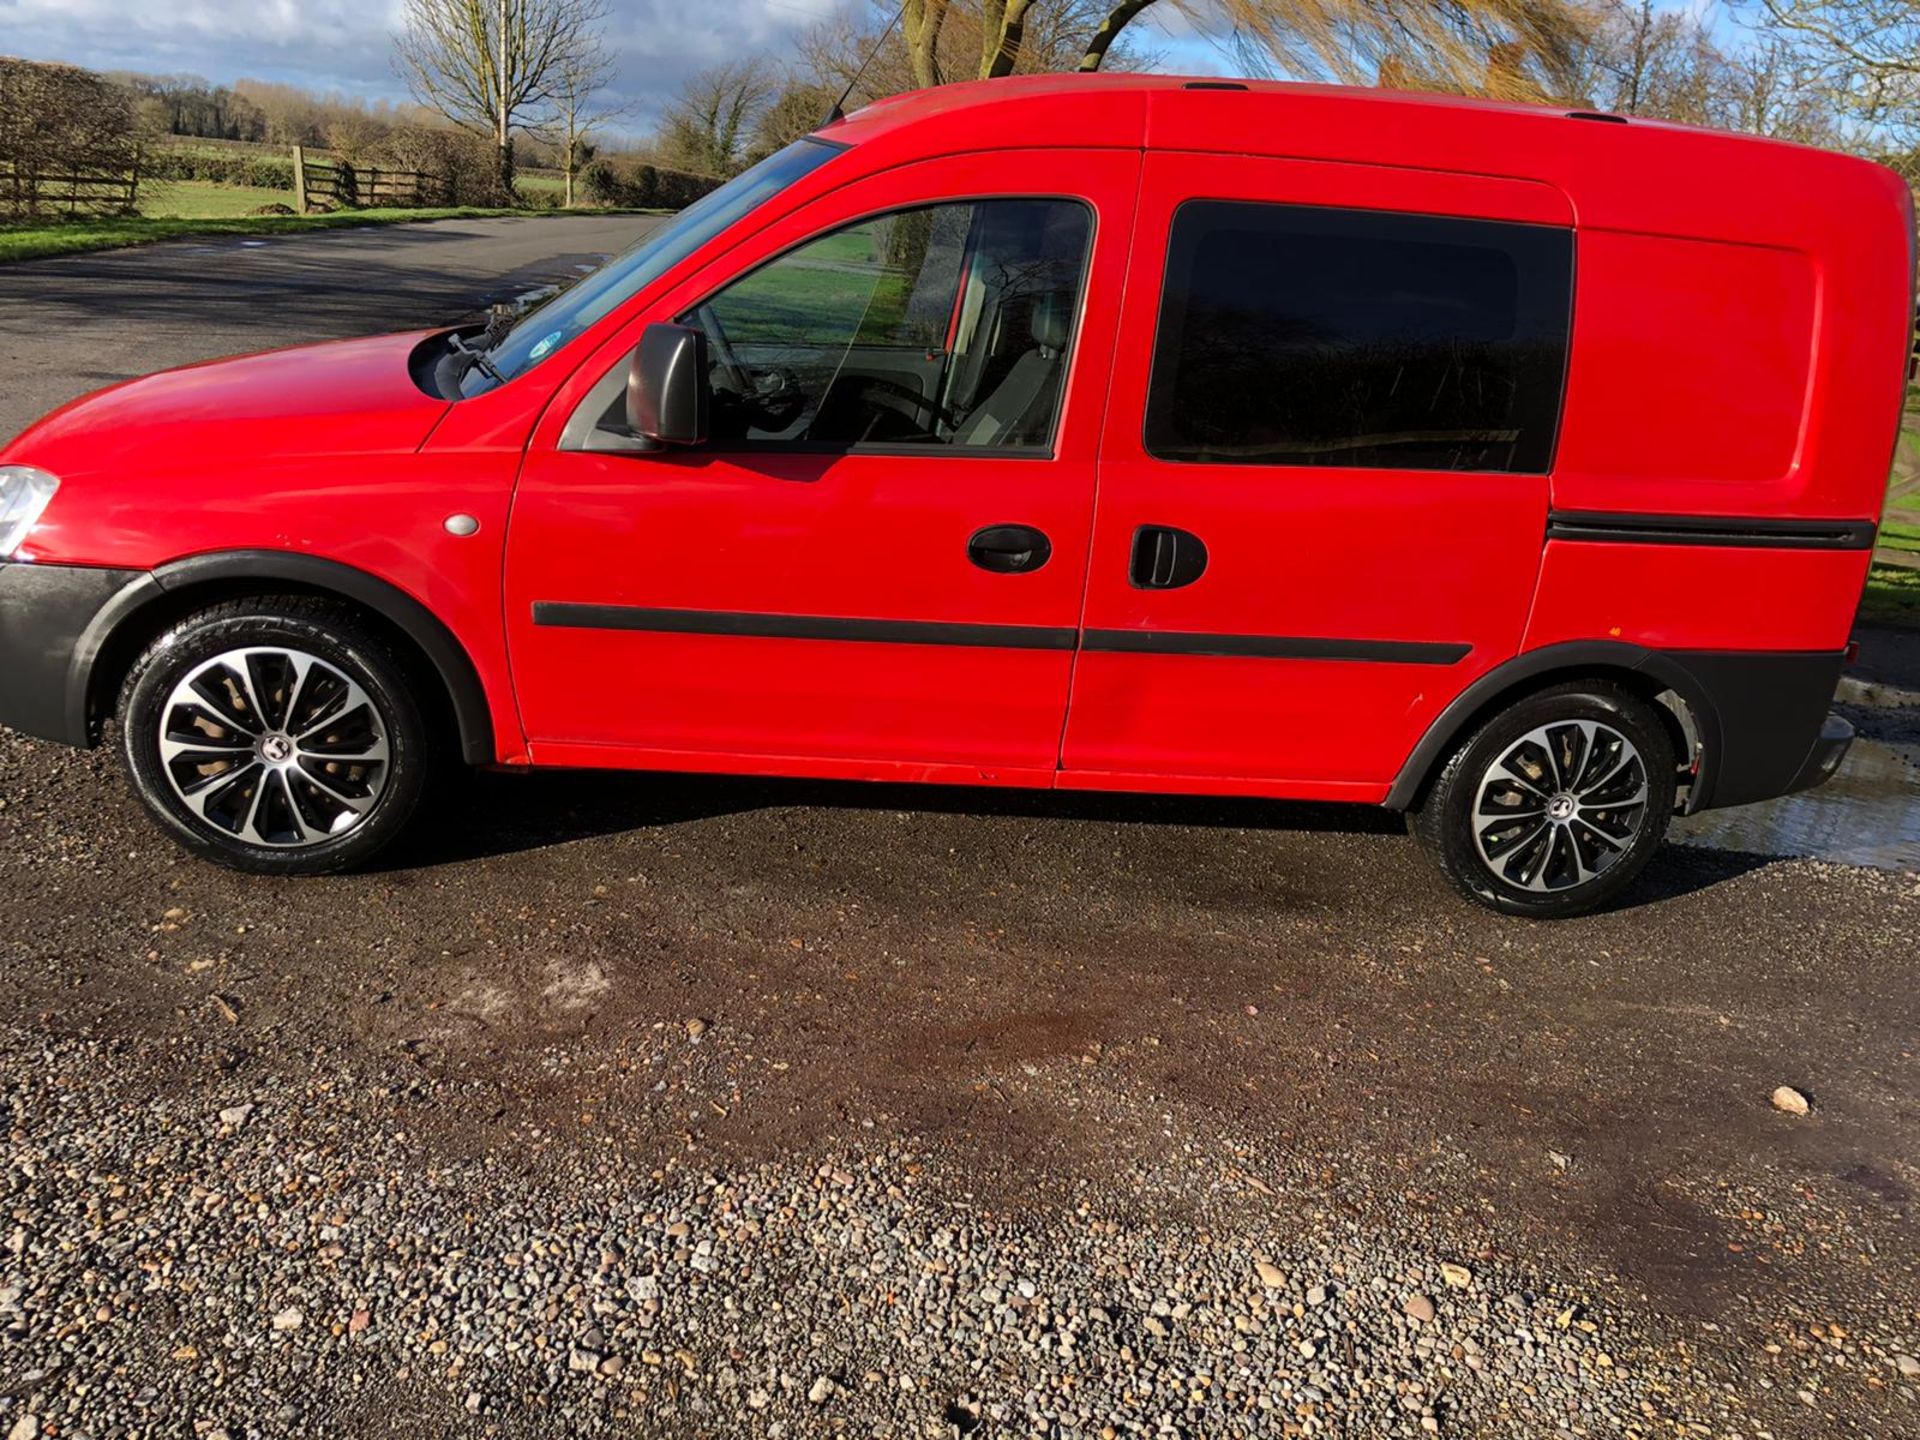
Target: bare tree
(1519, 48)
(1866, 54)
(490, 65)
(1771, 88)
(711, 124)
(578, 107)
(971, 41)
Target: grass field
(204, 200)
(30, 242)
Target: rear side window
(1305, 335)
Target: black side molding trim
(800, 627)
(1756, 532)
(1272, 647)
(568, 616)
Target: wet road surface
(1087, 1011)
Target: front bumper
(53, 620)
(1829, 749)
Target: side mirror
(667, 390)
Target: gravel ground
(289, 1265)
(627, 1105)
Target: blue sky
(344, 45)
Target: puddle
(1867, 814)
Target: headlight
(24, 493)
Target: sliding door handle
(1009, 549)
(1165, 558)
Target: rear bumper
(53, 619)
(1764, 721)
(1829, 749)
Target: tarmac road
(77, 323)
(672, 1106)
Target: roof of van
(1115, 109)
(1614, 170)
(1105, 88)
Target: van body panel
(1696, 597)
(808, 609)
(1351, 557)
(1721, 428)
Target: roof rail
(1596, 115)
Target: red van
(1513, 468)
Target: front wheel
(278, 736)
(1552, 807)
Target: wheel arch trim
(425, 630)
(1570, 659)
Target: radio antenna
(838, 112)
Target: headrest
(1051, 320)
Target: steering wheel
(729, 364)
(903, 399)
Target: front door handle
(1165, 558)
(1009, 549)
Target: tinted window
(945, 325)
(1300, 335)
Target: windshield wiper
(477, 357)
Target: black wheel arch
(1645, 671)
(146, 605)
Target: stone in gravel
(1790, 1100)
(27, 1427)
(1458, 1276)
(1271, 1276)
(586, 1362)
(821, 1390)
(1907, 1365)
(1420, 1308)
(361, 1319)
(1316, 1295)
(696, 1027)
(235, 1115)
(288, 1319)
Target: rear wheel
(278, 736)
(1553, 806)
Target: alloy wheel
(1560, 806)
(273, 746)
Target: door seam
(1099, 450)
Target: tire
(1536, 814)
(279, 736)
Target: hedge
(263, 172)
(645, 187)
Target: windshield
(548, 327)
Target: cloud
(346, 45)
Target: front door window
(946, 325)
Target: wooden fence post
(299, 180)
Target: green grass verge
(34, 242)
(1899, 535)
(1893, 596)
